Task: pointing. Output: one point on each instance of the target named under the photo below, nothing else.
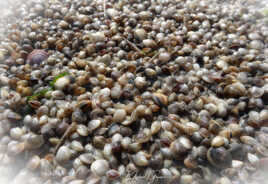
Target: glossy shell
(37, 57)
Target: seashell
(160, 99)
(43, 120)
(62, 83)
(82, 172)
(190, 162)
(143, 136)
(54, 141)
(93, 125)
(156, 161)
(256, 44)
(180, 147)
(15, 148)
(175, 171)
(149, 43)
(125, 142)
(94, 114)
(34, 104)
(236, 129)
(57, 95)
(82, 130)
(117, 138)
(219, 157)
(63, 154)
(112, 13)
(85, 105)
(140, 82)
(189, 127)
(116, 92)
(100, 167)
(256, 92)
(99, 142)
(248, 140)
(134, 147)
(46, 168)
(107, 150)
(13, 116)
(97, 37)
(16, 132)
(60, 172)
(225, 133)
(235, 90)
(4, 93)
(167, 135)
(217, 141)
(27, 120)
(78, 116)
(77, 146)
(34, 141)
(87, 158)
(211, 108)
(140, 34)
(264, 115)
(166, 173)
(141, 158)
(104, 94)
(155, 127)
(237, 164)
(36, 57)
(33, 163)
(253, 159)
(119, 115)
(164, 57)
(125, 131)
(112, 174)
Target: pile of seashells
(134, 91)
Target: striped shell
(37, 56)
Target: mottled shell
(37, 56)
(219, 157)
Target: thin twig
(156, 54)
(133, 45)
(64, 136)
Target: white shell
(62, 83)
(217, 141)
(63, 154)
(100, 167)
